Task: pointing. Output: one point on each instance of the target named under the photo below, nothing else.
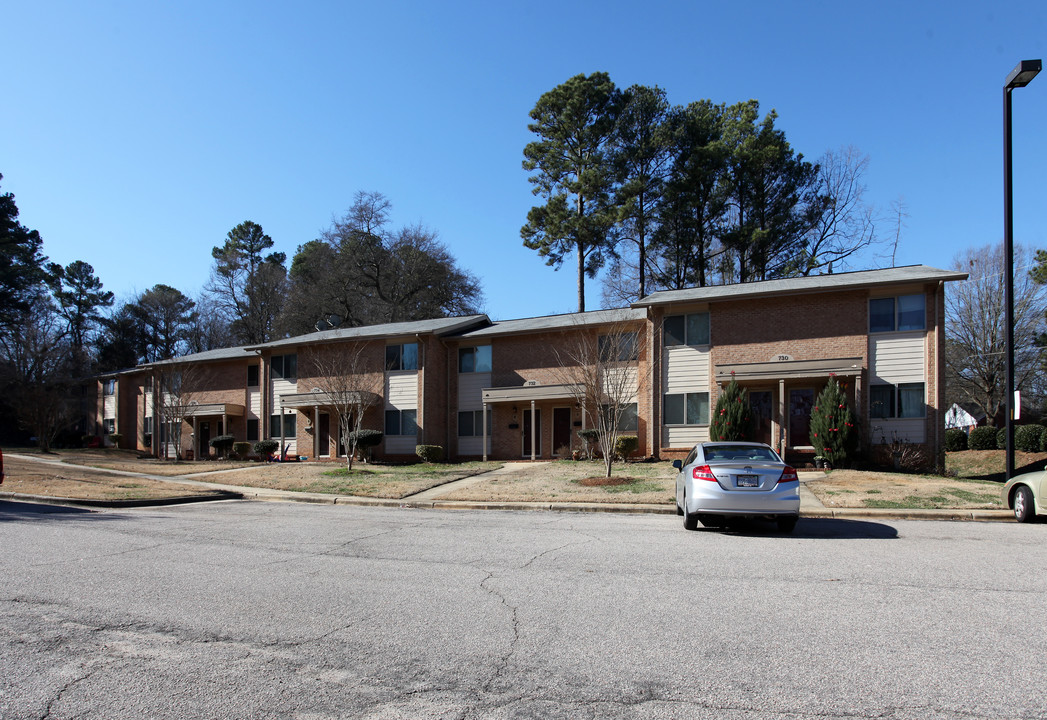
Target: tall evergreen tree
(80, 298)
(247, 284)
(166, 318)
(572, 173)
(21, 262)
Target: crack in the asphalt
(503, 662)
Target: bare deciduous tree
(847, 225)
(600, 365)
(975, 358)
(178, 387)
(349, 384)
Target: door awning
(789, 369)
(322, 398)
(527, 393)
(194, 409)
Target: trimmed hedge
(266, 447)
(982, 438)
(1001, 439)
(364, 438)
(955, 440)
(115, 438)
(241, 449)
(429, 453)
(626, 445)
(1028, 438)
(222, 444)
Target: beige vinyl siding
(109, 408)
(686, 370)
(630, 380)
(470, 397)
(896, 358)
(254, 404)
(401, 393)
(281, 387)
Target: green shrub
(733, 416)
(222, 444)
(1001, 439)
(833, 432)
(626, 445)
(982, 438)
(1043, 441)
(364, 438)
(1028, 438)
(955, 440)
(429, 453)
(265, 448)
(242, 449)
(115, 438)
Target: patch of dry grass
(990, 464)
(570, 481)
(70, 481)
(862, 489)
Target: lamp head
(1023, 74)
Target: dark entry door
(527, 433)
(800, 403)
(761, 403)
(323, 431)
(205, 439)
(561, 428)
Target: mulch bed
(605, 481)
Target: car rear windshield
(740, 452)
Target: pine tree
(833, 431)
(732, 418)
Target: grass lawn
(990, 464)
(365, 480)
(865, 489)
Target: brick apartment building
(509, 389)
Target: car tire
(679, 510)
(786, 524)
(1024, 510)
(690, 521)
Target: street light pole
(1022, 74)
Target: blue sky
(135, 135)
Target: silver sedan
(718, 480)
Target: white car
(1025, 495)
(721, 480)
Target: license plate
(748, 480)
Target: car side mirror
(678, 464)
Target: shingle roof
(438, 326)
(233, 353)
(810, 284)
(557, 322)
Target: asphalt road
(272, 610)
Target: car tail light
(703, 472)
(788, 475)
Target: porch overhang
(323, 398)
(789, 369)
(530, 393)
(209, 409)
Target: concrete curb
(406, 503)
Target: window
(147, 425)
(290, 429)
(477, 359)
(148, 383)
(618, 348)
(401, 422)
(109, 426)
(687, 409)
(628, 422)
(109, 387)
(284, 366)
(401, 357)
(901, 401)
(906, 312)
(252, 376)
(471, 422)
(252, 429)
(690, 329)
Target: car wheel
(1024, 510)
(690, 521)
(679, 510)
(786, 524)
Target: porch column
(316, 432)
(783, 408)
(225, 422)
(532, 429)
(485, 432)
(196, 437)
(280, 405)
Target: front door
(562, 430)
(801, 401)
(323, 435)
(760, 401)
(537, 433)
(205, 439)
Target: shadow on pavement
(13, 511)
(818, 528)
